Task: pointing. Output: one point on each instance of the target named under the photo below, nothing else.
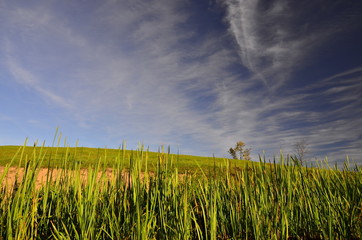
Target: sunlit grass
(87, 157)
(152, 200)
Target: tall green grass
(257, 201)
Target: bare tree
(246, 154)
(301, 149)
(239, 151)
(232, 153)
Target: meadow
(168, 196)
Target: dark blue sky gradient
(196, 75)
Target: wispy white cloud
(333, 124)
(5, 118)
(143, 89)
(132, 70)
(273, 41)
(26, 78)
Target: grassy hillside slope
(87, 157)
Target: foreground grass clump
(258, 201)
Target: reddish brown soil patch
(45, 174)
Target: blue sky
(196, 75)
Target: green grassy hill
(87, 157)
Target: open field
(52, 157)
(141, 195)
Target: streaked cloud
(27, 79)
(277, 38)
(142, 71)
(141, 88)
